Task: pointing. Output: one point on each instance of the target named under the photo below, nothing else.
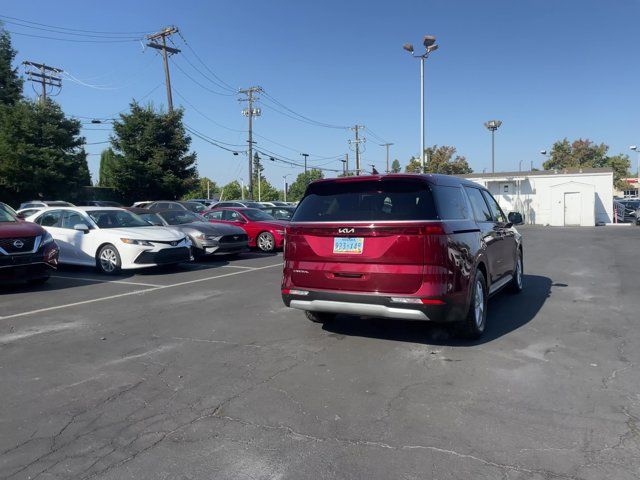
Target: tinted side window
(50, 219)
(498, 215)
(451, 203)
(217, 215)
(481, 210)
(71, 219)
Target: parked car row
(42, 235)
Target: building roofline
(565, 171)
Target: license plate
(348, 245)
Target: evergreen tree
(41, 153)
(395, 166)
(232, 191)
(152, 151)
(10, 83)
(107, 164)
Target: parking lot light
(637, 150)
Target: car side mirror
(81, 227)
(515, 218)
(21, 215)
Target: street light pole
(637, 150)
(429, 43)
(284, 185)
(493, 125)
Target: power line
(307, 119)
(208, 140)
(200, 84)
(204, 115)
(205, 65)
(72, 29)
(89, 35)
(73, 40)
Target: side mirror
(515, 218)
(21, 215)
(81, 227)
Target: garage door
(572, 209)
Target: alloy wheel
(519, 272)
(108, 260)
(265, 242)
(479, 305)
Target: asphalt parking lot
(201, 373)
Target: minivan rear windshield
(379, 200)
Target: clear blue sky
(548, 69)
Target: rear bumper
(368, 306)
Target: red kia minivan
(416, 247)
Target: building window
(505, 188)
(630, 193)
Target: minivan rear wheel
(473, 326)
(516, 283)
(320, 317)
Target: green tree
(441, 160)
(41, 153)
(583, 153)
(267, 191)
(152, 151)
(297, 188)
(232, 191)
(200, 190)
(107, 164)
(414, 166)
(10, 82)
(395, 166)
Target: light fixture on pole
(284, 184)
(493, 125)
(430, 45)
(637, 150)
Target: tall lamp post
(429, 42)
(284, 185)
(493, 125)
(636, 149)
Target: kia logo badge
(18, 244)
(346, 230)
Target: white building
(570, 197)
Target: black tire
(108, 260)
(320, 317)
(38, 281)
(475, 323)
(266, 242)
(516, 284)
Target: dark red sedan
(265, 232)
(27, 251)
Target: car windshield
(152, 218)
(387, 199)
(6, 217)
(252, 205)
(59, 203)
(257, 215)
(116, 219)
(632, 204)
(194, 206)
(179, 217)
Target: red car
(265, 232)
(415, 247)
(27, 251)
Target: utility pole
(250, 112)
(305, 155)
(387, 145)
(356, 144)
(162, 35)
(284, 182)
(46, 76)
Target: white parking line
(238, 266)
(98, 280)
(135, 292)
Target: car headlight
(200, 236)
(133, 241)
(47, 238)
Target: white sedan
(111, 238)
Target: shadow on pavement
(506, 312)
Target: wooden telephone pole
(46, 76)
(162, 35)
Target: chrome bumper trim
(363, 309)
